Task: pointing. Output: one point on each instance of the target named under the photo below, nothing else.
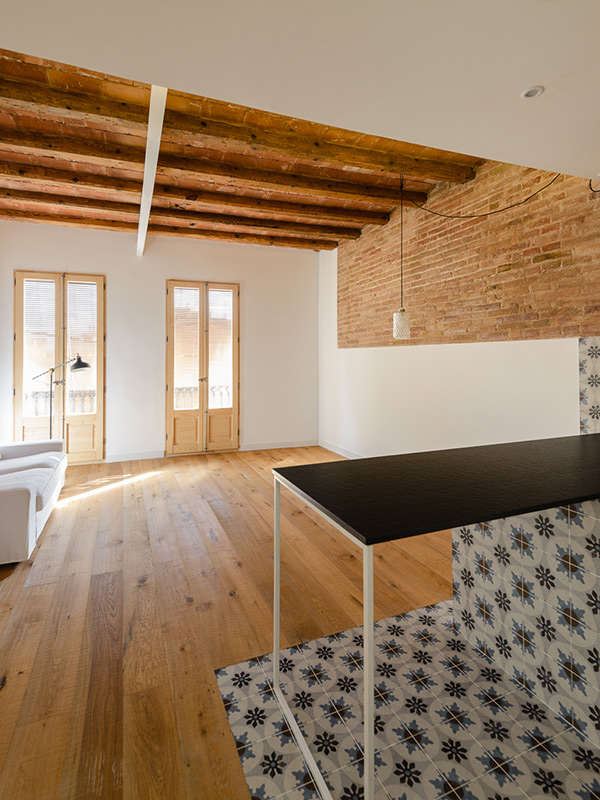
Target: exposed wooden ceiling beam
(23, 199)
(288, 183)
(248, 238)
(56, 179)
(158, 100)
(125, 157)
(206, 131)
(279, 209)
(72, 150)
(230, 236)
(171, 217)
(177, 217)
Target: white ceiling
(444, 73)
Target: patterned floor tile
(305, 699)
(301, 793)
(405, 767)
(248, 675)
(258, 716)
(486, 788)
(330, 742)
(272, 768)
(450, 722)
(548, 779)
(347, 783)
(448, 750)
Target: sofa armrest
(17, 520)
(18, 449)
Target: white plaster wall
(278, 323)
(375, 401)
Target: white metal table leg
(276, 585)
(287, 711)
(369, 674)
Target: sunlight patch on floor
(106, 488)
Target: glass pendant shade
(401, 324)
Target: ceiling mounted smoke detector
(533, 91)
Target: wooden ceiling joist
(194, 233)
(221, 173)
(277, 209)
(289, 183)
(175, 217)
(57, 180)
(73, 145)
(209, 132)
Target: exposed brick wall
(529, 273)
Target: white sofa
(31, 477)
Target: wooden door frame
(60, 279)
(100, 281)
(235, 333)
(171, 284)
(203, 286)
(19, 278)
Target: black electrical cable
(489, 213)
(595, 191)
(402, 243)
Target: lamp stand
(79, 364)
(51, 395)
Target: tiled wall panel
(527, 593)
(589, 384)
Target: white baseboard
(278, 445)
(134, 456)
(339, 450)
(254, 446)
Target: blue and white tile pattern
(589, 384)
(450, 723)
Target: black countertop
(394, 497)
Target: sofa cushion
(38, 461)
(45, 481)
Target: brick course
(532, 272)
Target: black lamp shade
(80, 364)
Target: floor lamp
(79, 364)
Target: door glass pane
(82, 335)
(186, 315)
(39, 347)
(220, 348)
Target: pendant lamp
(401, 318)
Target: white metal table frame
(369, 651)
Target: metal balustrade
(79, 401)
(83, 401)
(187, 397)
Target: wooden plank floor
(148, 577)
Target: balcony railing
(187, 397)
(79, 401)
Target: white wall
(278, 319)
(375, 401)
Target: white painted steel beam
(156, 114)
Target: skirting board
(278, 445)
(339, 450)
(134, 456)
(257, 446)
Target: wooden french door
(57, 317)
(202, 384)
